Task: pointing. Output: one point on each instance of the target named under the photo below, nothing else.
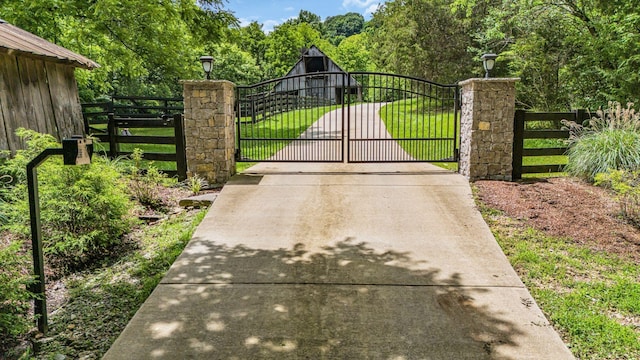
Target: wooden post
(112, 131)
(581, 116)
(181, 156)
(518, 144)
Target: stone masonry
(486, 128)
(209, 129)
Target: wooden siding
(316, 84)
(38, 95)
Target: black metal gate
(353, 117)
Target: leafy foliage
(84, 209)
(422, 38)
(626, 184)
(568, 53)
(235, 65)
(14, 297)
(143, 184)
(339, 27)
(102, 301)
(143, 47)
(354, 54)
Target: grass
(102, 300)
(284, 127)
(592, 298)
(410, 119)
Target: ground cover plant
(626, 186)
(99, 257)
(576, 256)
(100, 302)
(84, 209)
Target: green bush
(14, 297)
(85, 210)
(144, 184)
(626, 185)
(610, 141)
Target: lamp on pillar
(488, 61)
(207, 65)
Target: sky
(274, 12)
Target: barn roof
(15, 40)
(314, 51)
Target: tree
(422, 38)
(568, 53)
(143, 46)
(337, 28)
(253, 40)
(307, 17)
(353, 54)
(285, 44)
(234, 65)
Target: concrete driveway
(341, 261)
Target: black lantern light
(207, 65)
(488, 61)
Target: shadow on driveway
(340, 303)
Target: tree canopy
(142, 46)
(567, 53)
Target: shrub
(14, 297)
(626, 185)
(84, 209)
(144, 184)
(610, 141)
(195, 184)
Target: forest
(567, 53)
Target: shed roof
(314, 51)
(13, 39)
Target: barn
(38, 88)
(316, 83)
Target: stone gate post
(486, 128)
(209, 129)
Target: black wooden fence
(260, 106)
(109, 122)
(549, 137)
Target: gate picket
(353, 117)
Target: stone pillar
(486, 128)
(209, 129)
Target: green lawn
(284, 127)
(410, 119)
(592, 298)
(544, 160)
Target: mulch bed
(568, 208)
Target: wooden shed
(38, 88)
(317, 83)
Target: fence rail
(541, 126)
(106, 121)
(261, 106)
